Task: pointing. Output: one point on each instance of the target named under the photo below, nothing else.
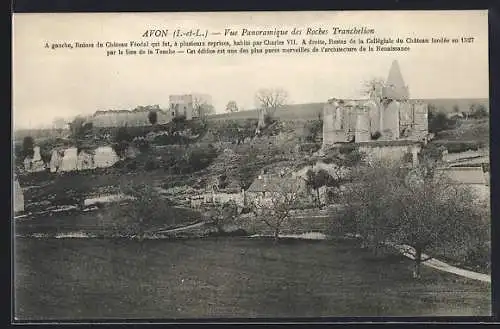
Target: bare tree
(373, 88)
(274, 208)
(231, 107)
(221, 214)
(269, 100)
(147, 211)
(414, 210)
(202, 107)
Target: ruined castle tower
(389, 112)
(394, 93)
(333, 123)
(395, 87)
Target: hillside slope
(310, 111)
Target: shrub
(151, 165)
(170, 140)
(439, 122)
(309, 147)
(347, 148)
(431, 153)
(198, 159)
(376, 135)
(28, 147)
(179, 122)
(192, 160)
(246, 210)
(153, 117)
(142, 145)
(407, 157)
(479, 256)
(314, 129)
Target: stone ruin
(392, 116)
(35, 163)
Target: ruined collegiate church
(388, 115)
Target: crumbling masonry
(388, 115)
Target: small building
(268, 187)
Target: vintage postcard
(251, 165)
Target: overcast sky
(63, 83)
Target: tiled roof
(271, 183)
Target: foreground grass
(230, 277)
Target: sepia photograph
(250, 165)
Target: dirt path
(407, 251)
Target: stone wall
(390, 130)
(217, 197)
(394, 153)
(363, 130)
(421, 128)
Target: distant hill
(311, 111)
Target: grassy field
(467, 130)
(230, 277)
